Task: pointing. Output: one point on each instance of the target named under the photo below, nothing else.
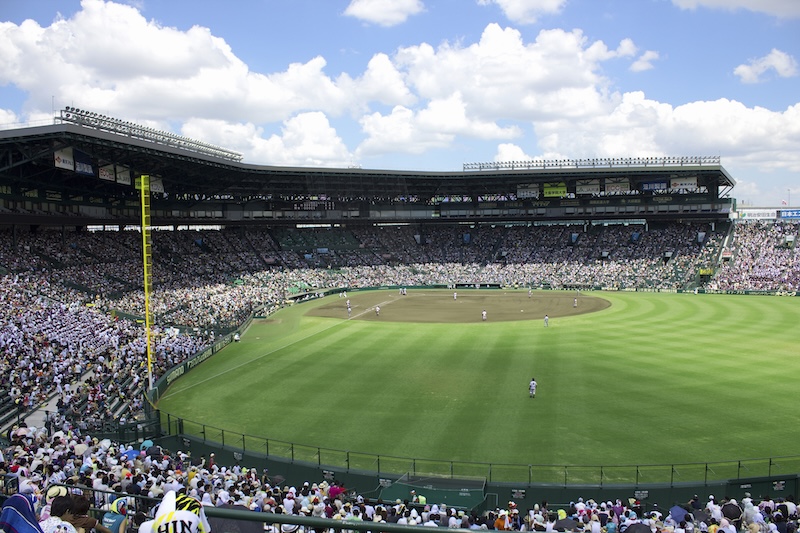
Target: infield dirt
(439, 305)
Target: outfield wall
(371, 484)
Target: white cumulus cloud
(525, 94)
(780, 62)
(306, 139)
(644, 61)
(526, 11)
(777, 8)
(384, 12)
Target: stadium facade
(82, 170)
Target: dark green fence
(557, 475)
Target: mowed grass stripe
(654, 378)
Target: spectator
(60, 517)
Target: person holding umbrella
(733, 513)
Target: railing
(310, 523)
(594, 163)
(557, 475)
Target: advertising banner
(757, 214)
(555, 190)
(156, 185)
(587, 187)
(63, 159)
(654, 186)
(689, 184)
(106, 173)
(83, 163)
(617, 185)
(527, 190)
(123, 176)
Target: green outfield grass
(625, 378)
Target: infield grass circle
(644, 379)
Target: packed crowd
(131, 487)
(213, 279)
(63, 286)
(106, 264)
(92, 362)
(763, 256)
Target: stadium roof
(27, 164)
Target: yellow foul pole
(143, 184)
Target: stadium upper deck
(82, 169)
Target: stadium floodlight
(100, 121)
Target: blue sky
(427, 84)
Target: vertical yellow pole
(143, 184)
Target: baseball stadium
(381, 329)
